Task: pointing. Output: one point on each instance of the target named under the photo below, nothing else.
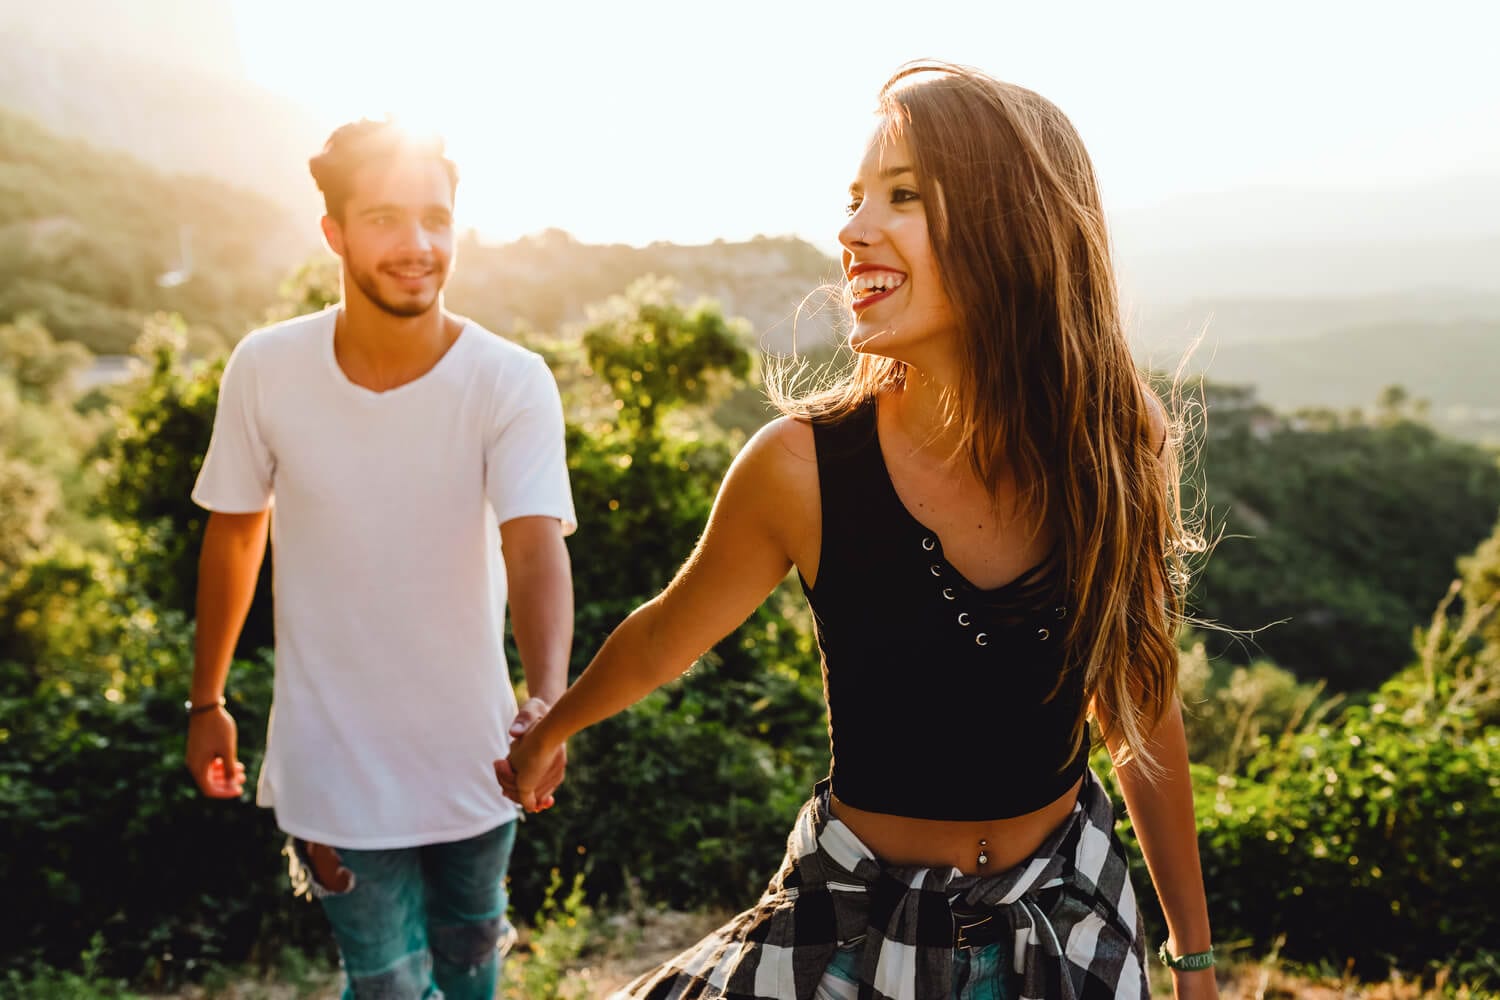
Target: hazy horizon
(674, 122)
(669, 121)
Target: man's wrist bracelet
(1191, 962)
(192, 709)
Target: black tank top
(937, 690)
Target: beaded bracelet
(192, 709)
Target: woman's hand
(534, 769)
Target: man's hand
(529, 714)
(211, 758)
(531, 775)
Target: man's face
(396, 237)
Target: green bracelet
(1186, 963)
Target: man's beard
(368, 284)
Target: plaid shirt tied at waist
(1070, 911)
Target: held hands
(211, 744)
(533, 771)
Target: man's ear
(333, 234)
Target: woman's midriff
(905, 840)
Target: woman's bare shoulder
(792, 435)
(777, 478)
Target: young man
(394, 437)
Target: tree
(654, 355)
(41, 368)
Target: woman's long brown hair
(1049, 393)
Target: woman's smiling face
(901, 310)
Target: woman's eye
(905, 194)
(852, 207)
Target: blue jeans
(978, 974)
(418, 923)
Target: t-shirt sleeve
(236, 477)
(525, 462)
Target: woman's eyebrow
(887, 174)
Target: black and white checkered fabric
(1071, 909)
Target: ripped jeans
(415, 923)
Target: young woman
(985, 521)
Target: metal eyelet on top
(1061, 611)
(948, 593)
(929, 544)
(982, 639)
(937, 570)
(1043, 634)
(963, 618)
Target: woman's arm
(759, 525)
(1161, 812)
(1161, 809)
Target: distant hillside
(1451, 364)
(1160, 332)
(549, 280)
(1286, 242)
(162, 81)
(94, 240)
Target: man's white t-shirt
(392, 695)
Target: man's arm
(541, 602)
(540, 581)
(234, 545)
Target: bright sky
(686, 121)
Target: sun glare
(686, 121)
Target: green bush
(107, 836)
(1366, 839)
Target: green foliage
(44, 982)
(654, 355)
(1337, 538)
(564, 927)
(106, 834)
(28, 500)
(161, 433)
(740, 739)
(1481, 586)
(308, 289)
(1366, 838)
(43, 481)
(39, 366)
(1232, 711)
